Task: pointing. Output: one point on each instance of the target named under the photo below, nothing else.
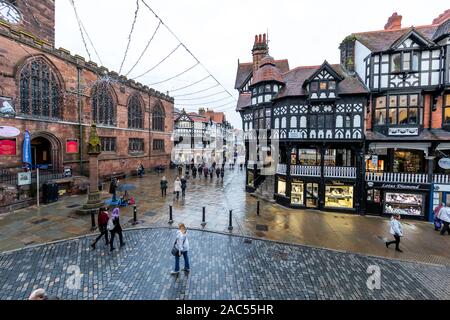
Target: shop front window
(250, 179)
(447, 109)
(401, 109)
(409, 204)
(408, 161)
(338, 158)
(374, 195)
(378, 166)
(339, 196)
(309, 157)
(312, 195)
(281, 186)
(297, 193)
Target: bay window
(400, 109)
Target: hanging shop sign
(8, 147)
(444, 163)
(24, 178)
(72, 146)
(9, 132)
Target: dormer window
(264, 93)
(325, 89)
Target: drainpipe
(80, 117)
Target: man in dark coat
(113, 188)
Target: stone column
(94, 202)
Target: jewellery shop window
(297, 193)
(281, 186)
(408, 204)
(339, 196)
(374, 195)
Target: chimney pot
(394, 22)
(260, 38)
(256, 39)
(264, 38)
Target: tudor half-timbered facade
(408, 122)
(317, 115)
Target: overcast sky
(220, 32)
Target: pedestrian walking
(141, 170)
(180, 169)
(194, 172)
(218, 172)
(222, 173)
(103, 218)
(181, 248)
(211, 172)
(115, 228)
(113, 188)
(177, 187)
(183, 186)
(396, 230)
(444, 216)
(164, 184)
(205, 171)
(437, 221)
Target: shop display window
(297, 193)
(378, 168)
(339, 196)
(312, 195)
(281, 186)
(309, 157)
(338, 157)
(410, 204)
(408, 161)
(374, 195)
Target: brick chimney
(201, 111)
(394, 22)
(260, 50)
(442, 17)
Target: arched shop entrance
(45, 150)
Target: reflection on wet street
(352, 233)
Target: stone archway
(46, 149)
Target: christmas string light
(204, 97)
(204, 103)
(80, 28)
(145, 49)
(130, 36)
(197, 92)
(176, 76)
(192, 84)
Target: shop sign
(24, 178)
(401, 186)
(442, 188)
(8, 147)
(444, 163)
(72, 146)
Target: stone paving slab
(222, 267)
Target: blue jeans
(186, 261)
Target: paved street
(337, 231)
(222, 267)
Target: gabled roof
(327, 67)
(296, 78)
(245, 71)
(415, 36)
(383, 40)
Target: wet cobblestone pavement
(222, 267)
(345, 232)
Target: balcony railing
(441, 178)
(340, 172)
(396, 177)
(306, 171)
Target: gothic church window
(103, 105)
(135, 114)
(40, 90)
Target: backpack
(110, 226)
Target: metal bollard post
(135, 222)
(257, 208)
(170, 215)
(93, 220)
(204, 217)
(230, 225)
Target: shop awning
(443, 146)
(399, 145)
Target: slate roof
(244, 100)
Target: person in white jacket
(397, 231)
(444, 216)
(182, 245)
(177, 187)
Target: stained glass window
(135, 117)
(158, 118)
(103, 106)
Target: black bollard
(93, 220)
(170, 215)
(204, 217)
(230, 225)
(135, 222)
(257, 208)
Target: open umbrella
(126, 187)
(26, 151)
